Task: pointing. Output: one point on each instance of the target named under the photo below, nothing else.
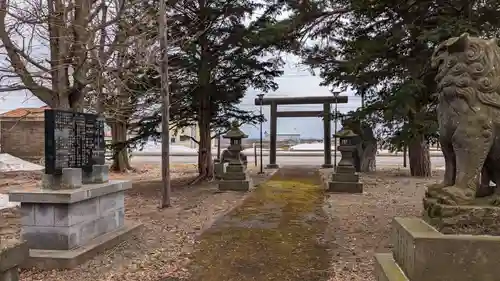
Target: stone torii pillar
(274, 131)
(327, 139)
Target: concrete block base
(326, 166)
(345, 187)
(234, 185)
(421, 253)
(12, 255)
(52, 221)
(65, 259)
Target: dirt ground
(162, 246)
(359, 226)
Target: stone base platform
(66, 259)
(422, 253)
(468, 219)
(63, 227)
(344, 183)
(235, 185)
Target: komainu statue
(468, 83)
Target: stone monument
(77, 211)
(234, 176)
(458, 238)
(12, 254)
(345, 179)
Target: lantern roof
(235, 132)
(345, 133)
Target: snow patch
(156, 147)
(9, 163)
(318, 146)
(4, 202)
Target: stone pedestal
(345, 183)
(272, 166)
(422, 253)
(235, 178)
(470, 219)
(64, 227)
(12, 255)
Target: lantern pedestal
(345, 179)
(345, 183)
(272, 166)
(234, 185)
(235, 178)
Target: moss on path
(273, 235)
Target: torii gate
(325, 100)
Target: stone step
(386, 268)
(345, 187)
(345, 177)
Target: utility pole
(165, 120)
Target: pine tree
(226, 48)
(381, 49)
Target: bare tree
(49, 44)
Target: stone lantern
(347, 147)
(345, 179)
(234, 177)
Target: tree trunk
(368, 156)
(205, 165)
(121, 161)
(420, 162)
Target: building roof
(25, 112)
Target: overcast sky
(296, 81)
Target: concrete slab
(66, 196)
(65, 259)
